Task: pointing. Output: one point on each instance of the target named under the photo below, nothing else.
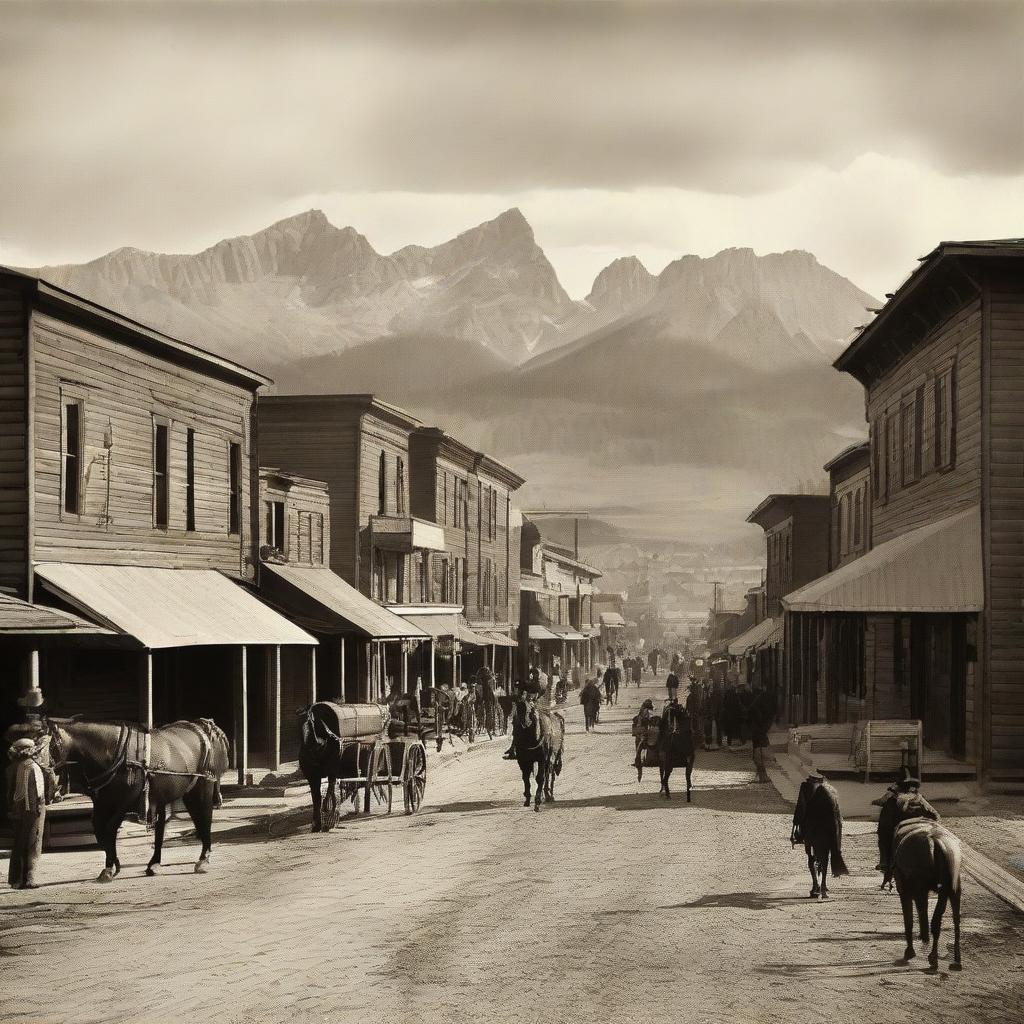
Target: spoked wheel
(378, 778)
(415, 781)
(329, 809)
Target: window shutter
(928, 428)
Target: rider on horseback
(531, 691)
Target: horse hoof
(105, 876)
(200, 868)
(150, 873)
(526, 803)
(908, 954)
(536, 807)
(956, 966)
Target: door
(958, 687)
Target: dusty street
(608, 906)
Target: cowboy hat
(32, 699)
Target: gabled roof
(851, 453)
(786, 504)
(357, 404)
(76, 309)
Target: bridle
(94, 784)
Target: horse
(119, 762)
(818, 824)
(923, 857)
(611, 685)
(539, 740)
(676, 748)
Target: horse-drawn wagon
(358, 749)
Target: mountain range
(716, 370)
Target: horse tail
(838, 864)
(947, 858)
(557, 766)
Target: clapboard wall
(13, 448)
(1004, 521)
(122, 389)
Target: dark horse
(923, 857)
(539, 736)
(818, 824)
(675, 746)
(121, 764)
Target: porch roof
(322, 600)
(754, 637)
(20, 618)
(448, 624)
(612, 619)
(500, 639)
(169, 607)
(538, 632)
(935, 568)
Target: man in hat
(26, 807)
(902, 801)
(532, 690)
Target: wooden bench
(886, 745)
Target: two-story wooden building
(557, 618)
(796, 529)
(126, 475)
(940, 592)
(850, 499)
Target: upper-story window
(457, 501)
(844, 520)
(878, 455)
(275, 525)
(858, 518)
(382, 485)
(71, 455)
(444, 497)
(161, 471)
(317, 534)
(235, 487)
(945, 434)
(400, 487)
(190, 479)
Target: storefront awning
(19, 618)
(935, 568)
(612, 619)
(169, 607)
(437, 626)
(320, 599)
(543, 633)
(567, 633)
(472, 636)
(500, 639)
(753, 638)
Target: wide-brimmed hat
(909, 783)
(32, 699)
(22, 746)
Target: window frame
(235, 487)
(400, 504)
(382, 483)
(944, 443)
(72, 397)
(160, 422)
(190, 480)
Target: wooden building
(558, 623)
(127, 474)
(419, 523)
(939, 595)
(850, 499)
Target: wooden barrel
(354, 721)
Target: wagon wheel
(378, 778)
(414, 779)
(329, 808)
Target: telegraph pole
(714, 618)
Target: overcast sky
(864, 133)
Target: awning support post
(275, 706)
(341, 670)
(404, 667)
(312, 675)
(33, 669)
(147, 688)
(433, 666)
(242, 717)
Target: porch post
(341, 670)
(433, 667)
(275, 706)
(147, 688)
(404, 667)
(33, 669)
(312, 675)
(242, 718)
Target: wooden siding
(937, 494)
(307, 536)
(14, 498)
(121, 389)
(856, 489)
(320, 441)
(1005, 527)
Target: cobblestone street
(610, 905)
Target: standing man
(26, 806)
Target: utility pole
(714, 618)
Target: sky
(862, 132)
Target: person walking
(26, 807)
(590, 698)
(672, 685)
(760, 721)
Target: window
(944, 412)
(918, 432)
(161, 471)
(908, 443)
(844, 533)
(235, 485)
(858, 518)
(382, 485)
(457, 502)
(400, 578)
(400, 487)
(317, 543)
(878, 457)
(892, 436)
(275, 525)
(190, 479)
(71, 445)
(446, 581)
(444, 498)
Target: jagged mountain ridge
(304, 288)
